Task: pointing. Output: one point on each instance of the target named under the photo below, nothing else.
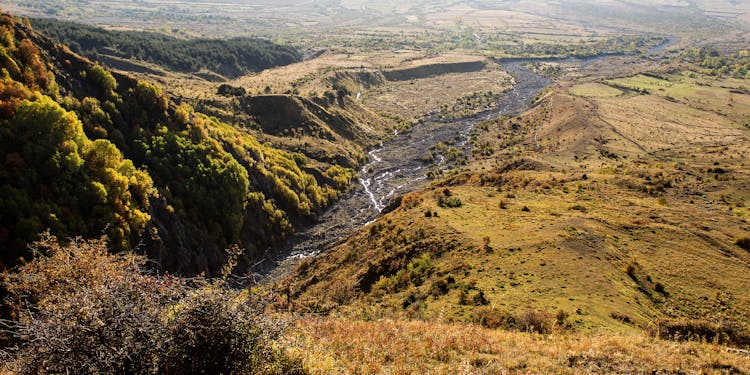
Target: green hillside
(228, 57)
(87, 153)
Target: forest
(88, 153)
(716, 63)
(228, 57)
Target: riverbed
(399, 166)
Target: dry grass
(312, 76)
(595, 90)
(723, 96)
(413, 98)
(657, 124)
(603, 189)
(329, 345)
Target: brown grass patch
(400, 347)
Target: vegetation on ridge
(86, 152)
(228, 57)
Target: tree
(102, 78)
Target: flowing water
(400, 165)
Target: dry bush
(726, 333)
(446, 199)
(490, 317)
(621, 317)
(535, 321)
(78, 309)
(530, 321)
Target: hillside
(225, 57)
(603, 207)
(115, 155)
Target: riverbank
(400, 166)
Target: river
(400, 165)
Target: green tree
(102, 78)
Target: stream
(400, 165)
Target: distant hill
(228, 57)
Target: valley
(401, 165)
(455, 186)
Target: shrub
(527, 321)
(578, 207)
(80, 310)
(726, 333)
(410, 201)
(486, 245)
(229, 90)
(463, 297)
(102, 78)
(659, 288)
(415, 273)
(439, 287)
(413, 298)
(420, 269)
(479, 299)
(621, 317)
(561, 319)
(744, 243)
(534, 321)
(449, 201)
(490, 317)
(631, 271)
(219, 332)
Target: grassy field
(724, 96)
(557, 245)
(330, 346)
(413, 98)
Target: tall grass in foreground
(76, 309)
(330, 345)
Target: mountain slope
(118, 157)
(605, 211)
(230, 58)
